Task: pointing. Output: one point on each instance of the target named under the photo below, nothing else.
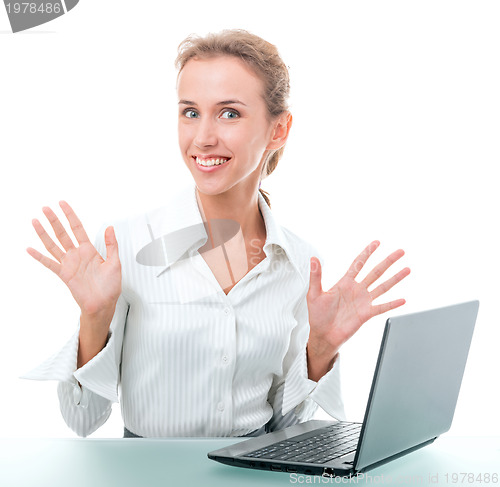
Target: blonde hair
(260, 55)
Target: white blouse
(182, 357)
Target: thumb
(315, 278)
(111, 244)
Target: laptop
(412, 401)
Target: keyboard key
(319, 446)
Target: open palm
(95, 283)
(335, 315)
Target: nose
(206, 134)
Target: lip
(210, 156)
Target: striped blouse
(182, 357)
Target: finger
(49, 244)
(382, 267)
(59, 230)
(111, 244)
(385, 286)
(75, 223)
(383, 308)
(361, 259)
(48, 263)
(315, 288)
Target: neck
(237, 205)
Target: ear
(281, 129)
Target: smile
(212, 161)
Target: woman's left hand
(335, 315)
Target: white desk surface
(449, 461)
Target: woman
(207, 315)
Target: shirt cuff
(326, 392)
(100, 374)
(60, 366)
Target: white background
(395, 137)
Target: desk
(183, 462)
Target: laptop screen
(417, 380)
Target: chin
(209, 189)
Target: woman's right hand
(95, 283)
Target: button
(220, 406)
(77, 394)
(225, 359)
(80, 396)
(227, 311)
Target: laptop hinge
(397, 455)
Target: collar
(177, 230)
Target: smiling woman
(205, 317)
(225, 147)
(255, 68)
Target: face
(223, 121)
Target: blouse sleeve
(293, 396)
(88, 407)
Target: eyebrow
(224, 102)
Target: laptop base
(263, 464)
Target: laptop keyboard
(318, 446)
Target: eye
(190, 113)
(230, 114)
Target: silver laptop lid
(416, 382)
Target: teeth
(210, 162)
